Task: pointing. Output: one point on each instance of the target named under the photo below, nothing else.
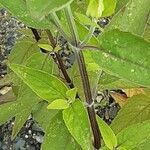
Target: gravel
(8, 36)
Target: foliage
(60, 99)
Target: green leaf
(39, 8)
(24, 49)
(21, 108)
(80, 6)
(58, 104)
(79, 128)
(134, 135)
(121, 57)
(75, 75)
(108, 81)
(147, 30)
(24, 108)
(121, 148)
(143, 146)
(107, 134)
(47, 47)
(46, 117)
(1, 6)
(94, 72)
(120, 4)
(95, 8)
(135, 110)
(41, 61)
(93, 67)
(71, 94)
(128, 18)
(83, 32)
(45, 85)
(83, 19)
(9, 110)
(34, 59)
(19, 9)
(20, 119)
(109, 7)
(56, 135)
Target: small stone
(26, 136)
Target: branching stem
(60, 63)
(85, 79)
(72, 25)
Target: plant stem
(64, 72)
(36, 34)
(51, 38)
(88, 97)
(37, 38)
(72, 25)
(61, 65)
(85, 80)
(60, 62)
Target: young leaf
(136, 110)
(109, 7)
(134, 135)
(71, 94)
(123, 58)
(79, 128)
(95, 8)
(107, 134)
(45, 85)
(58, 104)
(40, 9)
(128, 18)
(46, 47)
